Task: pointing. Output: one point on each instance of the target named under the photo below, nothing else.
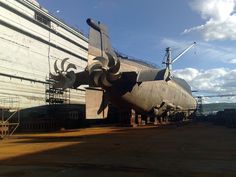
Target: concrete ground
(196, 149)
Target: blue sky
(144, 28)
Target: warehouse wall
(29, 49)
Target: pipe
(93, 24)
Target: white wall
(25, 56)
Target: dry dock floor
(196, 149)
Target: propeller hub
(104, 71)
(63, 77)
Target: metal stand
(10, 116)
(57, 95)
(199, 106)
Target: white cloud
(188, 73)
(220, 19)
(233, 61)
(218, 10)
(213, 81)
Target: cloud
(220, 19)
(188, 73)
(212, 81)
(218, 10)
(232, 61)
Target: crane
(169, 61)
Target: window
(42, 19)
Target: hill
(218, 107)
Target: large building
(31, 40)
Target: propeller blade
(103, 80)
(54, 77)
(95, 75)
(102, 60)
(71, 75)
(70, 66)
(93, 66)
(70, 79)
(115, 68)
(55, 67)
(111, 60)
(102, 71)
(113, 77)
(63, 63)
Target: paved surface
(192, 150)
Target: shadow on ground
(191, 150)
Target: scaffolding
(10, 116)
(56, 95)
